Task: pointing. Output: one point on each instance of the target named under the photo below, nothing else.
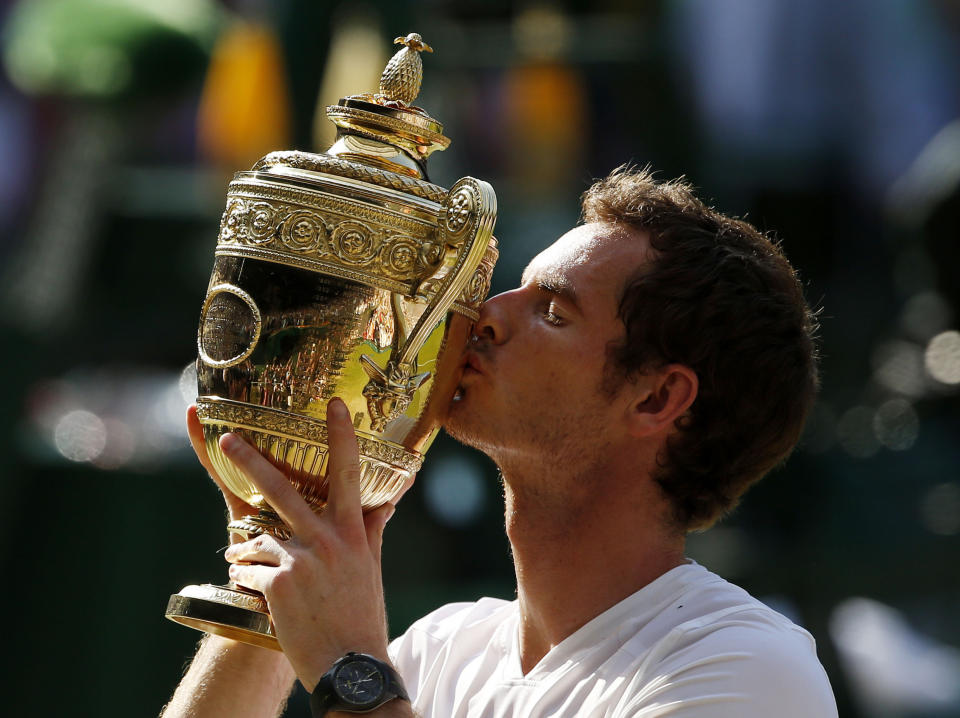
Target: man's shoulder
(749, 631)
(452, 633)
(444, 622)
(707, 605)
(714, 637)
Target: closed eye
(551, 315)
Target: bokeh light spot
(896, 425)
(454, 491)
(942, 357)
(188, 383)
(80, 435)
(120, 446)
(898, 366)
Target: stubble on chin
(463, 427)
(529, 439)
(504, 440)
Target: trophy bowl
(343, 274)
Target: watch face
(359, 682)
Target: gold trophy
(343, 274)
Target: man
(655, 361)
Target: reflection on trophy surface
(339, 274)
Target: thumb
(375, 522)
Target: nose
(493, 326)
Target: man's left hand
(323, 586)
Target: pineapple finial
(401, 77)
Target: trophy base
(226, 611)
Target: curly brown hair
(720, 298)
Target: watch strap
(323, 697)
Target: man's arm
(228, 678)
(323, 585)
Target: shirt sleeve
(735, 672)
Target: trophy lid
(372, 126)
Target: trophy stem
(232, 611)
(265, 522)
(229, 611)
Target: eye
(551, 315)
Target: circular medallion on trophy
(230, 326)
(354, 242)
(303, 231)
(261, 223)
(398, 259)
(432, 254)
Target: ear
(660, 398)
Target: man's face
(531, 389)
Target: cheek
(550, 363)
(585, 369)
(551, 381)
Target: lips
(473, 362)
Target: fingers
(253, 576)
(374, 523)
(343, 469)
(343, 477)
(263, 549)
(274, 486)
(236, 507)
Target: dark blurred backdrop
(834, 125)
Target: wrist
(356, 683)
(322, 661)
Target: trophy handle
(466, 221)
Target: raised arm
(228, 678)
(323, 587)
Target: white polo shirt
(688, 645)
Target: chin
(463, 424)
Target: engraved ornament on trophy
(346, 273)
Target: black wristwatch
(357, 683)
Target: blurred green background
(835, 125)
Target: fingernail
(229, 443)
(390, 512)
(339, 409)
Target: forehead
(591, 259)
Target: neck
(575, 557)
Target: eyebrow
(556, 285)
